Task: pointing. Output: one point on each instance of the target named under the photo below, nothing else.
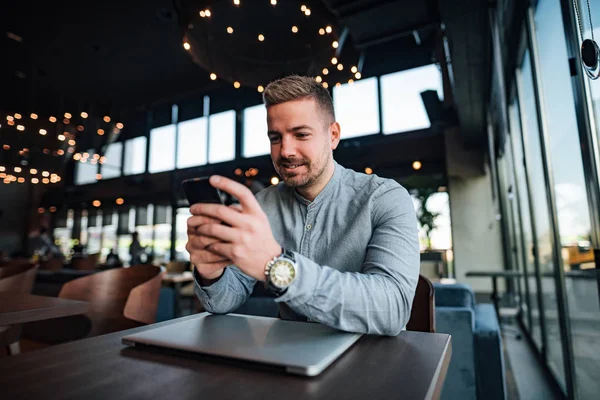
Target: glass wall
(162, 149)
(402, 106)
(357, 108)
(256, 140)
(135, 156)
(111, 167)
(221, 141)
(191, 143)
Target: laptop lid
(299, 347)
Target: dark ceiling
(128, 54)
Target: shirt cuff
(205, 293)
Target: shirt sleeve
(377, 300)
(227, 294)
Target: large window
(111, 168)
(402, 106)
(256, 140)
(85, 172)
(222, 137)
(162, 149)
(571, 200)
(357, 108)
(191, 143)
(182, 216)
(135, 156)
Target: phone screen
(199, 190)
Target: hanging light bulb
(68, 115)
(325, 85)
(334, 60)
(321, 31)
(236, 85)
(335, 44)
(294, 29)
(319, 79)
(229, 30)
(328, 29)
(340, 67)
(186, 45)
(52, 119)
(325, 71)
(33, 116)
(353, 69)
(261, 37)
(213, 76)
(357, 75)
(261, 89)
(84, 114)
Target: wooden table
(18, 308)
(411, 366)
(174, 280)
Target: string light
(33, 116)
(368, 171)
(18, 116)
(11, 122)
(53, 209)
(318, 79)
(186, 45)
(294, 29)
(100, 132)
(207, 12)
(350, 81)
(229, 30)
(274, 2)
(303, 8)
(120, 201)
(357, 75)
(43, 132)
(334, 60)
(45, 174)
(68, 115)
(84, 114)
(417, 165)
(261, 89)
(52, 119)
(10, 118)
(354, 69)
(325, 85)
(328, 29)
(71, 142)
(321, 31)
(119, 125)
(236, 2)
(96, 203)
(33, 171)
(335, 44)
(261, 37)
(274, 180)
(106, 119)
(66, 121)
(35, 180)
(213, 76)
(307, 12)
(61, 137)
(340, 67)
(236, 85)
(325, 71)
(98, 176)
(20, 128)
(17, 169)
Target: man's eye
(302, 135)
(274, 139)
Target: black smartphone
(199, 190)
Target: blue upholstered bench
(476, 370)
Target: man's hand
(247, 242)
(209, 265)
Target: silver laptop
(296, 347)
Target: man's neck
(311, 192)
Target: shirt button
(308, 227)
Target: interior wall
(476, 225)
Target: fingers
(237, 190)
(218, 212)
(196, 220)
(221, 232)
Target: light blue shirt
(356, 249)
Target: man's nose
(288, 148)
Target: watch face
(282, 273)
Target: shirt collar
(327, 190)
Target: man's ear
(334, 135)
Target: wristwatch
(281, 271)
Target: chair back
(422, 315)
(116, 293)
(53, 264)
(177, 267)
(86, 263)
(17, 277)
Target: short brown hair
(295, 87)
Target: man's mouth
(291, 166)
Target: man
(336, 247)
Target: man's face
(302, 141)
